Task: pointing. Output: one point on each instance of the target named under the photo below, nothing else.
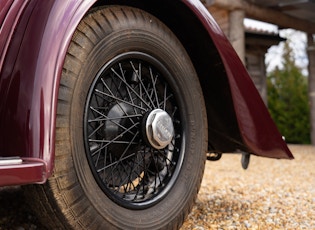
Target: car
(110, 108)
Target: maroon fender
(30, 75)
(32, 56)
(257, 129)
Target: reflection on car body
(111, 106)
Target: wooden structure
(257, 44)
(250, 43)
(297, 15)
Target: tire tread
(63, 194)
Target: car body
(34, 39)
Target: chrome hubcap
(159, 129)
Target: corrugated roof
(259, 27)
(257, 30)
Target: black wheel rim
(127, 166)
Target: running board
(19, 171)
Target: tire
(131, 129)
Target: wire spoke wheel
(131, 127)
(134, 160)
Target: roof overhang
(295, 14)
(302, 9)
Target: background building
(251, 45)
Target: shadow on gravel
(15, 213)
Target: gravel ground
(270, 194)
(14, 211)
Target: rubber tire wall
(71, 199)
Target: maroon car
(111, 107)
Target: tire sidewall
(172, 55)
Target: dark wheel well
(130, 152)
(208, 64)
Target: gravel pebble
(270, 194)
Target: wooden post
(311, 69)
(237, 32)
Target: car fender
(30, 77)
(31, 70)
(257, 129)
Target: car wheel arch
(56, 37)
(206, 58)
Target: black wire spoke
(166, 159)
(130, 87)
(112, 142)
(138, 75)
(127, 89)
(121, 100)
(125, 151)
(116, 138)
(124, 177)
(173, 113)
(96, 129)
(111, 120)
(154, 87)
(115, 118)
(97, 159)
(165, 99)
(95, 150)
(119, 92)
(119, 89)
(115, 162)
(122, 155)
(107, 88)
(128, 179)
(127, 167)
(157, 176)
(151, 92)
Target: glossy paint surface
(31, 171)
(257, 129)
(30, 75)
(32, 55)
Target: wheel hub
(159, 129)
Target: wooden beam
(311, 81)
(265, 14)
